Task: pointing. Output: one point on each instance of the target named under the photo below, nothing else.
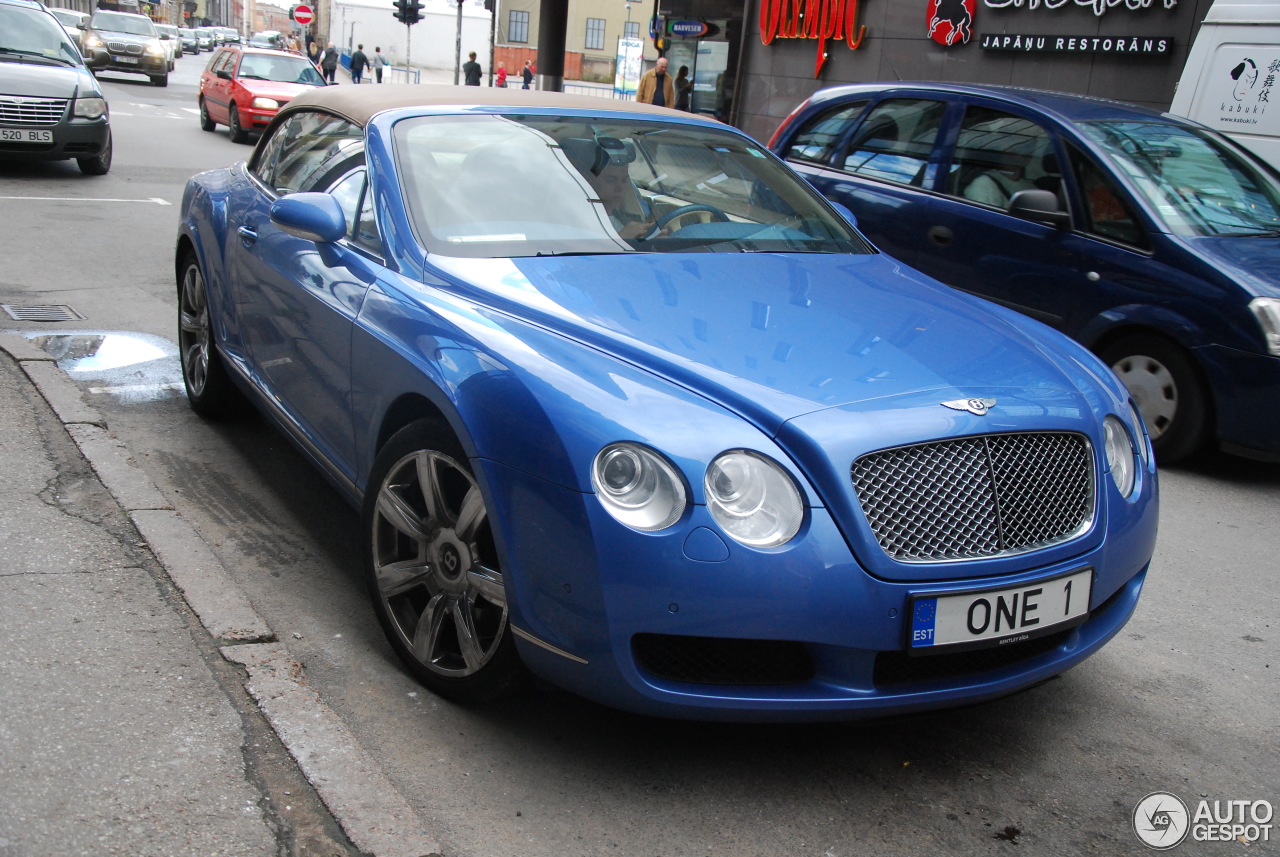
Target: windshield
(282, 69)
(31, 34)
(121, 22)
(1196, 181)
(500, 186)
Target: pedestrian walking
(471, 70)
(358, 64)
(329, 63)
(527, 74)
(502, 75)
(378, 62)
(656, 86)
(684, 89)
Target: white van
(1232, 78)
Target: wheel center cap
(451, 564)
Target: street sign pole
(457, 52)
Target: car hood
(776, 336)
(117, 36)
(274, 89)
(1252, 261)
(44, 80)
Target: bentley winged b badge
(977, 407)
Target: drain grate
(46, 312)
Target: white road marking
(155, 199)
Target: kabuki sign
(811, 19)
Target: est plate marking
(992, 617)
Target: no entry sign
(303, 14)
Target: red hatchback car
(243, 88)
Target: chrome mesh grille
(24, 110)
(124, 48)
(977, 497)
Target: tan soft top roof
(361, 103)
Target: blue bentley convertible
(628, 406)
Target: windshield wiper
(19, 52)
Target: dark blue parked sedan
(627, 405)
(1151, 239)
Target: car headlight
(92, 42)
(1120, 455)
(155, 49)
(638, 487)
(90, 107)
(1267, 312)
(753, 499)
(266, 103)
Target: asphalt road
(1185, 700)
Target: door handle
(247, 235)
(941, 235)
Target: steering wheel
(675, 214)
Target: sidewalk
(130, 724)
(112, 726)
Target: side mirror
(312, 216)
(846, 213)
(1040, 206)
(82, 26)
(164, 37)
(223, 73)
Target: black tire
(238, 134)
(161, 79)
(1168, 390)
(100, 164)
(210, 391)
(432, 568)
(205, 122)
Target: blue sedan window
(501, 186)
(1197, 184)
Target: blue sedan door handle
(941, 235)
(247, 235)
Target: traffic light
(408, 11)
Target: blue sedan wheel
(1168, 391)
(433, 569)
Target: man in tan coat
(656, 86)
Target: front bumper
(100, 59)
(688, 624)
(1246, 389)
(72, 138)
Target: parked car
(627, 404)
(1151, 239)
(204, 38)
(51, 107)
(73, 21)
(190, 41)
(244, 88)
(173, 44)
(266, 39)
(123, 41)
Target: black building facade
(778, 52)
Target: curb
(372, 812)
